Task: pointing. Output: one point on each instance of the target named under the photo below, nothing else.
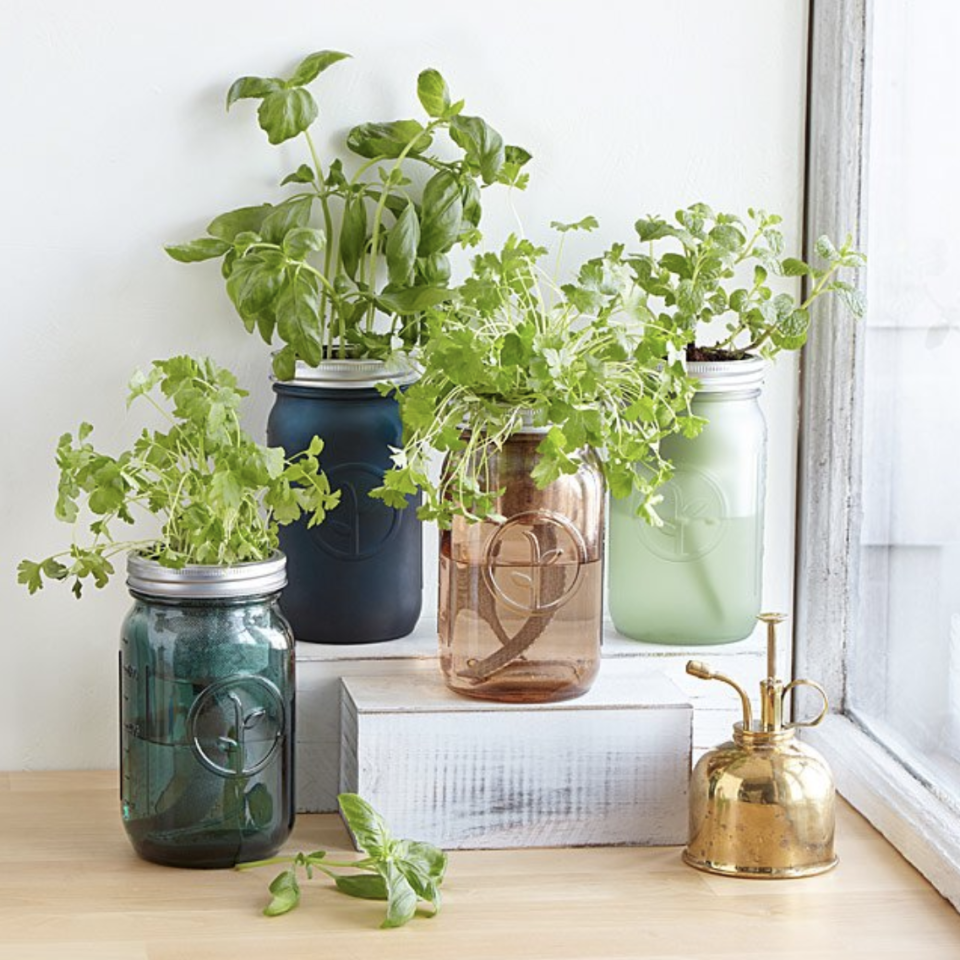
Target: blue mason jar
(206, 713)
(358, 576)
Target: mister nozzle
(697, 668)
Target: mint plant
(315, 269)
(219, 495)
(586, 359)
(401, 872)
(698, 279)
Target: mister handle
(823, 693)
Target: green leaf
(587, 223)
(303, 174)
(253, 283)
(302, 240)
(401, 897)
(402, 243)
(825, 248)
(286, 894)
(366, 825)
(366, 887)
(652, 229)
(482, 145)
(441, 214)
(298, 318)
(30, 575)
(412, 300)
(353, 235)
(206, 248)
(244, 220)
(283, 114)
(470, 197)
(260, 806)
(285, 363)
(791, 267)
(251, 88)
(290, 215)
(312, 66)
(791, 332)
(433, 93)
(388, 140)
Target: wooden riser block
(611, 767)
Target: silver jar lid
(203, 582)
(353, 374)
(728, 376)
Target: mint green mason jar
(697, 579)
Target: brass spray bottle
(762, 805)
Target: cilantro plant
(695, 280)
(316, 268)
(586, 359)
(401, 872)
(219, 494)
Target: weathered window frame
(905, 809)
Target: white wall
(115, 142)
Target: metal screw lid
(353, 374)
(727, 376)
(206, 582)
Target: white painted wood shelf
(610, 767)
(321, 667)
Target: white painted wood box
(320, 668)
(611, 767)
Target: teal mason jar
(697, 578)
(206, 713)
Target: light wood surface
(71, 887)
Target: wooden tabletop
(71, 887)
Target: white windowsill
(921, 826)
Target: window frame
(905, 809)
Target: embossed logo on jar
(236, 725)
(359, 526)
(533, 562)
(694, 513)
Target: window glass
(904, 680)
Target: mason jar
(358, 576)
(520, 599)
(206, 713)
(697, 578)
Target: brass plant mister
(762, 805)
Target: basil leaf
(285, 363)
(472, 209)
(302, 240)
(441, 214)
(303, 174)
(388, 140)
(298, 317)
(434, 270)
(365, 824)
(254, 281)
(206, 248)
(286, 216)
(283, 114)
(402, 243)
(412, 300)
(433, 93)
(366, 887)
(401, 898)
(251, 88)
(312, 66)
(246, 219)
(286, 894)
(482, 145)
(353, 235)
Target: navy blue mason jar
(206, 713)
(358, 576)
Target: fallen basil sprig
(402, 872)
